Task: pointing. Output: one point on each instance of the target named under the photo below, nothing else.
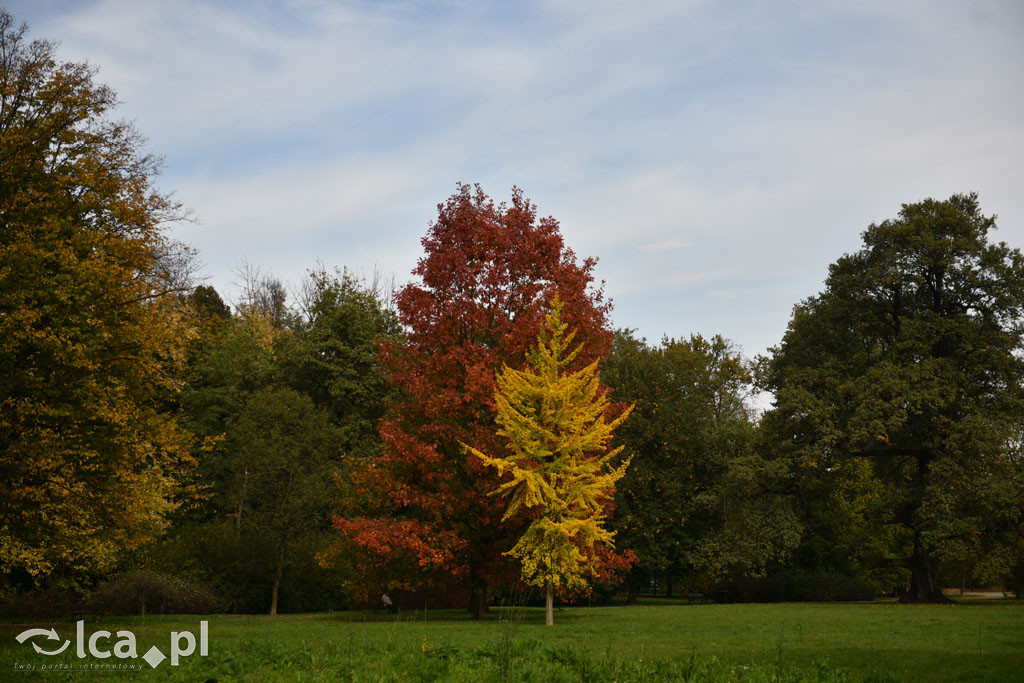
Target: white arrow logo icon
(50, 635)
(55, 652)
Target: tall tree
(282, 452)
(334, 355)
(322, 353)
(483, 283)
(696, 462)
(91, 327)
(908, 370)
(561, 462)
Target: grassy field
(816, 642)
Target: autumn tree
(478, 304)
(900, 392)
(560, 466)
(92, 326)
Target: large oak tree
(904, 380)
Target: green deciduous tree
(334, 356)
(282, 451)
(560, 462)
(322, 352)
(92, 330)
(900, 391)
(693, 503)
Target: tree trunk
(477, 596)
(277, 582)
(632, 594)
(241, 506)
(924, 580)
(549, 604)
(669, 580)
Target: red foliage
(609, 569)
(391, 553)
(488, 272)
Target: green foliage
(282, 452)
(333, 355)
(208, 304)
(696, 502)
(798, 586)
(900, 395)
(146, 592)
(278, 394)
(328, 354)
(229, 362)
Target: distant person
(388, 605)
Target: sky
(715, 157)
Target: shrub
(146, 592)
(797, 586)
(39, 604)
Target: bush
(1015, 581)
(146, 592)
(39, 604)
(797, 587)
(240, 571)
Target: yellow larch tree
(560, 465)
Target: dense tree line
(316, 443)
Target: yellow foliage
(92, 330)
(560, 462)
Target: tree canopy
(900, 389)
(488, 272)
(285, 399)
(91, 328)
(561, 462)
(696, 478)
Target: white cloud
(717, 159)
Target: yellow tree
(92, 325)
(560, 465)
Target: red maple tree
(484, 281)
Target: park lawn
(828, 642)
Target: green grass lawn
(656, 641)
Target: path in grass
(978, 641)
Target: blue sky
(716, 156)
